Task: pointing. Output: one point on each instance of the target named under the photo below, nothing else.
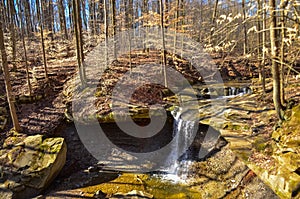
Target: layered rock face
(29, 164)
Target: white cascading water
(185, 128)
(184, 131)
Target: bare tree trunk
(51, 18)
(261, 40)
(29, 25)
(275, 67)
(113, 23)
(245, 28)
(40, 19)
(4, 15)
(13, 31)
(201, 20)
(182, 24)
(48, 17)
(22, 30)
(213, 20)
(145, 23)
(95, 18)
(8, 87)
(79, 28)
(26, 61)
(163, 42)
(62, 18)
(263, 62)
(144, 2)
(259, 35)
(83, 9)
(283, 5)
(128, 25)
(71, 16)
(106, 32)
(101, 14)
(92, 19)
(126, 10)
(176, 23)
(76, 11)
(166, 10)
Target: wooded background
(260, 30)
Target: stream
(198, 164)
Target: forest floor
(44, 112)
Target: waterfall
(190, 142)
(184, 132)
(185, 127)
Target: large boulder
(29, 164)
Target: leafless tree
(275, 65)
(8, 87)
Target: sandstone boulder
(29, 164)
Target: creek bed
(196, 166)
(215, 176)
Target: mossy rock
(260, 144)
(34, 161)
(290, 160)
(165, 189)
(288, 135)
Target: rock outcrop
(29, 164)
(274, 158)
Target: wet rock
(133, 195)
(290, 160)
(30, 164)
(39, 197)
(92, 169)
(5, 193)
(275, 162)
(99, 195)
(258, 190)
(14, 185)
(218, 175)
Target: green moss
(261, 145)
(163, 189)
(51, 145)
(12, 141)
(288, 134)
(235, 127)
(142, 182)
(243, 155)
(98, 94)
